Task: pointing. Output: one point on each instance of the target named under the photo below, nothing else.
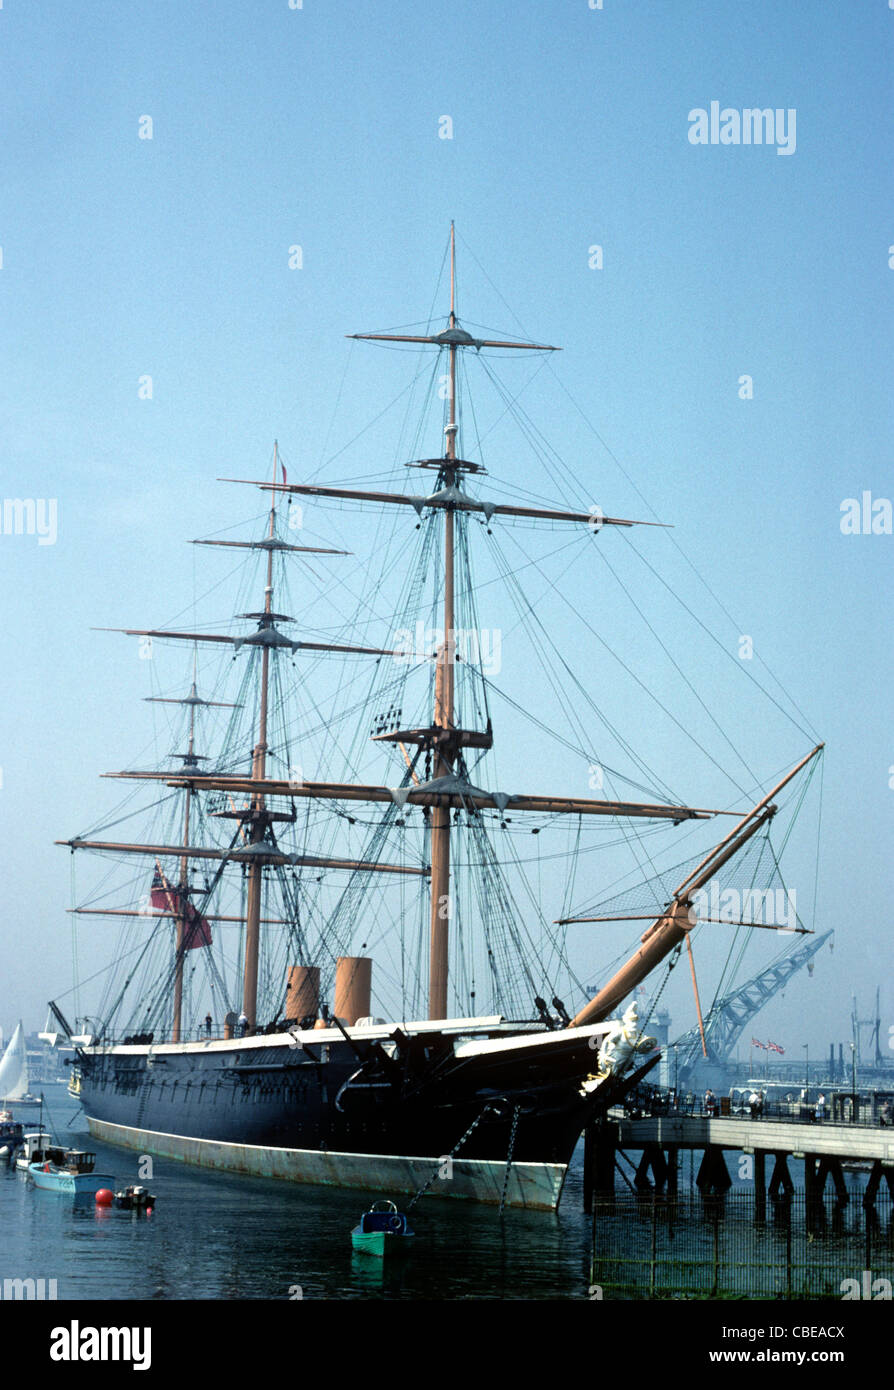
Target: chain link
(515, 1114)
(455, 1150)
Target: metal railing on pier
(869, 1110)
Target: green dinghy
(383, 1230)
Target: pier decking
(824, 1147)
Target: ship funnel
(302, 992)
(353, 988)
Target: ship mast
(258, 852)
(448, 789)
(184, 876)
(444, 711)
(259, 816)
(180, 909)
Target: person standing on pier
(821, 1108)
(710, 1102)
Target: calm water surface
(216, 1236)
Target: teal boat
(69, 1171)
(383, 1230)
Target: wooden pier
(824, 1147)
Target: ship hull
(458, 1113)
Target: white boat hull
(537, 1186)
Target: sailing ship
(303, 1081)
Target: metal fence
(648, 1246)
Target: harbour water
(215, 1236)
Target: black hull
(296, 1107)
(349, 1098)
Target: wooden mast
(180, 911)
(444, 711)
(443, 738)
(255, 854)
(184, 879)
(446, 791)
(259, 819)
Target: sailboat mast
(444, 711)
(259, 819)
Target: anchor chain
(512, 1134)
(455, 1150)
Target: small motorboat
(134, 1199)
(383, 1230)
(35, 1148)
(69, 1171)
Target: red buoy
(104, 1197)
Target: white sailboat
(14, 1084)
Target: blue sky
(272, 127)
